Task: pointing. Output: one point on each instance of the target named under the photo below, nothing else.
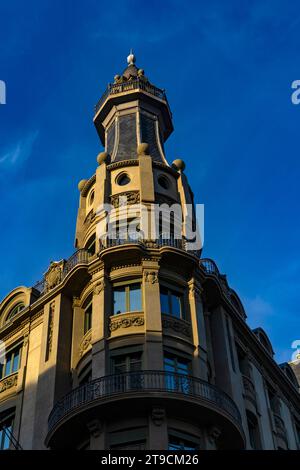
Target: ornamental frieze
(176, 325)
(127, 198)
(8, 382)
(137, 320)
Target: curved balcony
(79, 257)
(126, 86)
(216, 406)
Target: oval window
(123, 179)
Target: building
(135, 342)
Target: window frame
(90, 245)
(88, 305)
(178, 358)
(11, 353)
(171, 290)
(183, 437)
(126, 285)
(7, 418)
(19, 306)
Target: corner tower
(131, 111)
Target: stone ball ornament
(81, 184)
(178, 164)
(102, 157)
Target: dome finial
(131, 58)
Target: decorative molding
(98, 269)
(99, 286)
(8, 382)
(195, 290)
(26, 339)
(53, 276)
(213, 434)
(179, 326)
(90, 217)
(134, 320)
(76, 302)
(88, 184)
(122, 266)
(114, 165)
(50, 330)
(85, 343)
(132, 197)
(151, 276)
(95, 427)
(158, 415)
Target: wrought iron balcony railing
(79, 257)
(138, 382)
(129, 85)
(211, 268)
(139, 240)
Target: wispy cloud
(20, 152)
(258, 310)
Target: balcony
(8, 385)
(127, 86)
(79, 257)
(178, 243)
(109, 392)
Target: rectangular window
(124, 368)
(127, 298)
(5, 433)
(11, 362)
(88, 314)
(127, 363)
(128, 439)
(171, 302)
(180, 443)
(177, 370)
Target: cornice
(88, 185)
(122, 163)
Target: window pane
(169, 364)
(164, 301)
(6, 439)
(180, 444)
(8, 365)
(119, 365)
(15, 366)
(135, 361)
(135, 299)
(176, 304)
(119, 300)
(182, 368)
(88, 319)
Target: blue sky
(227, 68)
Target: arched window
(88, 314)
(91, 245)
(15, 309)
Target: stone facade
(138, 343)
